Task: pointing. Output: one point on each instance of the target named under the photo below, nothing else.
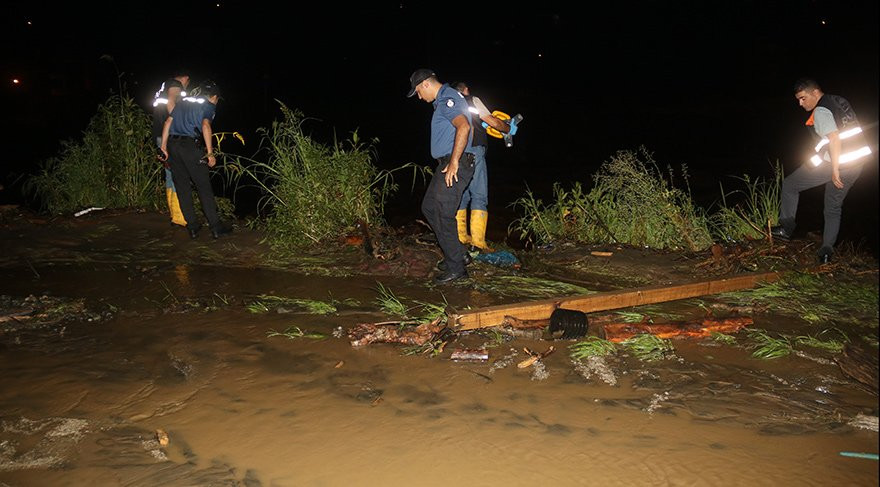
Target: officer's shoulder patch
(450, 103)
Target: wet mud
(161, 339)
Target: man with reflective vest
(188, 127)
(451, 148)
(837, 160)
(172, 90)
(476, 195)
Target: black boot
(193, 231)
(780, 232)
(221, 229)
(447, 277)
(441, 266)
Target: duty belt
(466, 158)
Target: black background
(706, 84)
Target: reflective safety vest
(476, 123)
(161, 96)
(853, 146)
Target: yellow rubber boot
(174, 208)
(461, 218)
(479, 220)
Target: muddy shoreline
(134, 328)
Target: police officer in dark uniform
(187, 125)
(171, 91)
(451, 137)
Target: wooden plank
(588, 303)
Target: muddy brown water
(80, 402)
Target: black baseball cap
(417, 77)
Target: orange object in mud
(354, 240)
(618, 332)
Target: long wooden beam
(588, 303)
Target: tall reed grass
(113, 165)
(748, 213)
(312, 193)
(631, 202)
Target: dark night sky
(702, 83)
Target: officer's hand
(212, 161)
(163, 154)
(451, 171)
(513, 127)
(835, 179)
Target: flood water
(81, 401)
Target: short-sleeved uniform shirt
(448, 105)
(824, 124)
(187, 116)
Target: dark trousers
(184, 155)
(440, 205)
(809, 176)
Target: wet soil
(119, 325)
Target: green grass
(648, 348)
(746, 213)
(815, 298)
(267, 302)
(723, 338)
(591, 347)
(646, 313)
(294, 332)
(528, 287)
(825, 340)
(631, 202)
(769, 347)
(418, 312)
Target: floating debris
(470, 355)
(534, 357)
(504, 361)
(865, 422)
(162, 437)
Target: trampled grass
(816, 298)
